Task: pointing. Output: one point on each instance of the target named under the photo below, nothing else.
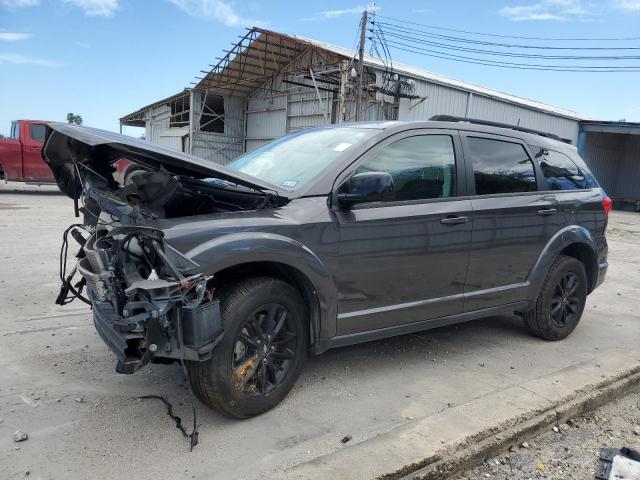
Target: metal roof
(422, 74)
(259, 56)
(137, 118)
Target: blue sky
(105, 58)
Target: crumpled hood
(65, 145)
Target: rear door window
(560, 172)
(422, 167)
(501, 167)
(37, 131)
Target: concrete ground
(399, 399)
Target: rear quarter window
(561, 172)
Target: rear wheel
(261, 354)
(561, 300)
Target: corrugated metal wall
(157, 122)
(603, 153)
(220, 147)
(443, 100)
(278, 108)
(628, 185)
(615, 161)
(266, 119)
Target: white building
(270, 84)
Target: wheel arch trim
(240, 248)
(566, 237)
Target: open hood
(65, 145)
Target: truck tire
(260, 357)
(561, 300)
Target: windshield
(293, 160)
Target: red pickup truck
(20, 158)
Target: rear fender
(246, 247)
(570, 235)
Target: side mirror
(366, 187)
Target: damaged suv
(320, 239)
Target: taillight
(607, 204)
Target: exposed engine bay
(154, 195)
(150, 302)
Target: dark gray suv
(320, 239)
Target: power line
(512, 65)
(505, 54)
(606, 39)
(422, 33)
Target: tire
(561, 300)
(251, 371)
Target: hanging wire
(507, 54)
(512, 65)
(386, 36)
(555, 39)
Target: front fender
(245, 247)
(569, 235)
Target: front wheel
(561, 300)
(261, 354)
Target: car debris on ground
(20, 436)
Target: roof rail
(451, 118)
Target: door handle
(547, 211)
(454, 220)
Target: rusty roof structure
(259, 56)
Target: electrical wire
(512, 65)
(407, 41)
(606, 39)
(422, 33)
(504, 54)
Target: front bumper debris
(147, 320)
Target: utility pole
(344, 79)
(360, 85)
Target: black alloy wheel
(565, 304)
(264, 349)
(561, 300)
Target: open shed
(612, 151)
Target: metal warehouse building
(270, 84)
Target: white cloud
(372, 7)
(83, 44)
(95, 8)
(558, 10)
(17, 59)
(627, 5)
(13, 36)
(19, 3)
(217, 10)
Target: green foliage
(74, 119)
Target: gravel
(572, 453)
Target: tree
(74, 119)
(2, 137)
